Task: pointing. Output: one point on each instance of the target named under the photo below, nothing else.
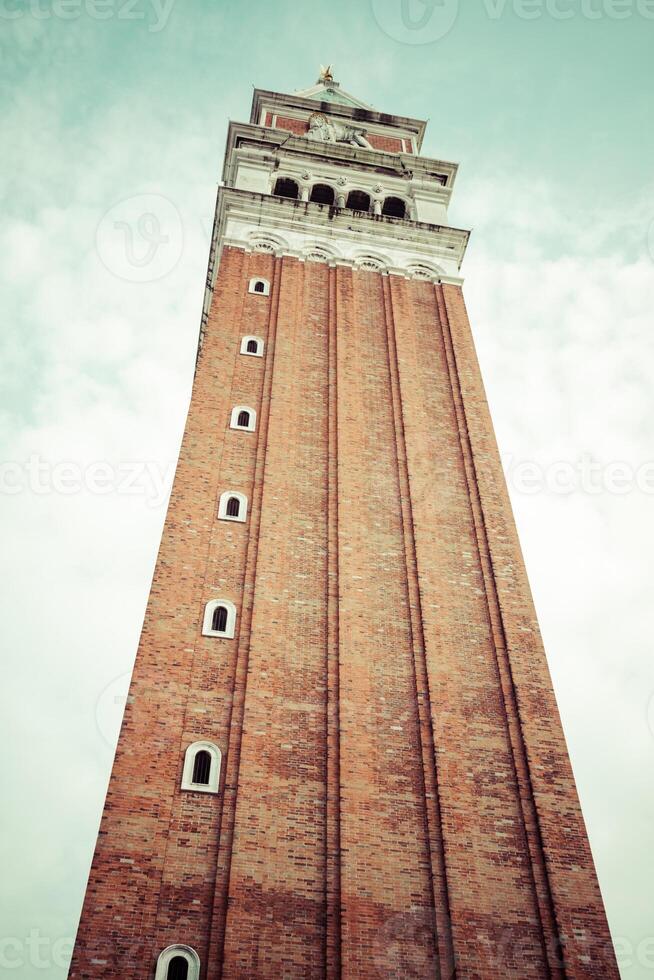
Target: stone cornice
(395, 164)
(343, 225)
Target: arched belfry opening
(358, 201)
(394, 207)
(285, 187)
(322, 194)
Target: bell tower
(341, 755)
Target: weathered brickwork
(396, 798)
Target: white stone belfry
(322, 176)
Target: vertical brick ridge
(386, 876)
(540, 880)
(239, 691)
(153, 725)
(203, 596)
(442, 920)
(333, 787)
(579, 910)
(276, 912)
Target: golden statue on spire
(326, 74)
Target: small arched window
(252, 345)
(394, 207)
(177, 968)
(201, 768)
(219, 619)
(358, 201)
(201, 772)
(285, 187)
(259, 286)
(232, 506)
(322, 194)
(178, 963)
(244, 418)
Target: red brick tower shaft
(341, 755)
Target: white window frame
(230, 626)
(222, 507)
(234, 419)
(266, 286)
(213, 786)
(244, 346)
(166, 955)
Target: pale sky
(547, 107)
